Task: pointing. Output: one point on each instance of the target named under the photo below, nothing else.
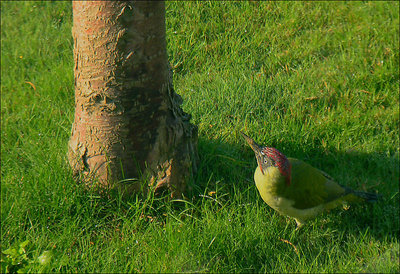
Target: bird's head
(269, 156)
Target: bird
(296, 189)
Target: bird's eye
(265, 161)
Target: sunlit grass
(317, 80)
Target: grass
(317, 80)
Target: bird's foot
(299, 224)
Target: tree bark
(129, 130)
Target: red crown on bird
(280, 161)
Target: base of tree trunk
(158, 158)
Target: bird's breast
(268, 184)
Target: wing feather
(311, 187)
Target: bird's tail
(354, 195)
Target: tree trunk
(129, 129)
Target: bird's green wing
(310, 187)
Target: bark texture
(128, 120)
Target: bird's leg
(299, 224)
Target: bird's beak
(256, 148)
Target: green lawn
(317, 80)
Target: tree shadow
(229, 167)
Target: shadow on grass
(230, 167)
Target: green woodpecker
(295, 188)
